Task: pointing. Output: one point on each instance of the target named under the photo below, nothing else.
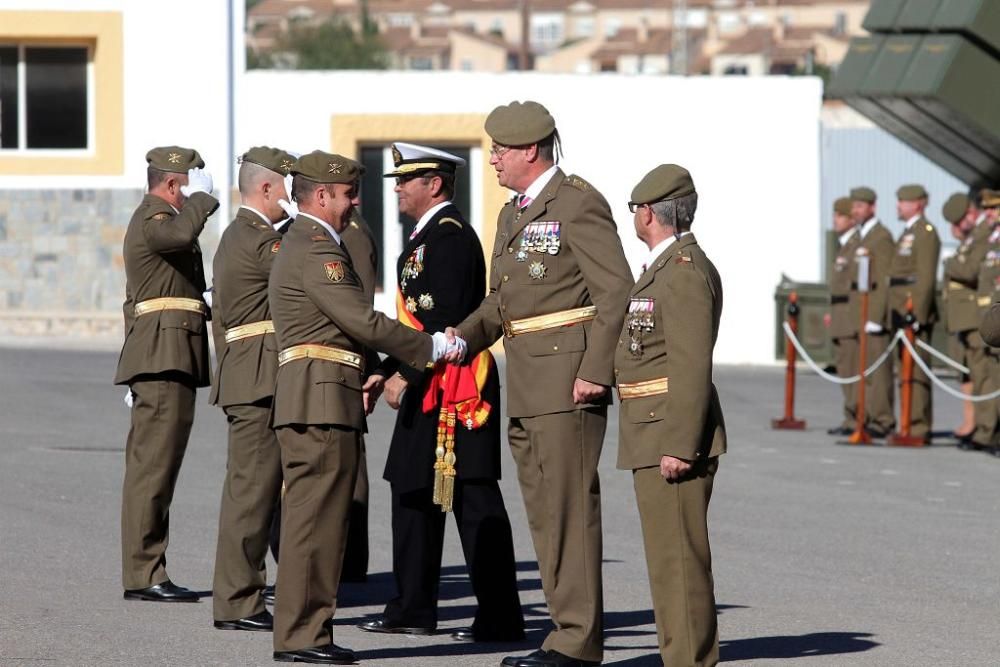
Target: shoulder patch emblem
(161, 216)
(452, 221)
(578, 183)
(275, 246)
(334, 271)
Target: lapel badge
(334, 271)
(426, 301)
(537, 270)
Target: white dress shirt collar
(867, 226)
(426, 217)
(661, 248)
(909, 223)
(539, 183)
(327, 227)
(846, 236)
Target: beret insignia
(174, 158)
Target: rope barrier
(834, 378)
(941, 385)
(942, 357)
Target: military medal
(413, 266)
(536, 270)
(543, 237)
(426, 301)
(411, 304)
(640, 320)
(554, 241)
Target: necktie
(413, 234)
(643, 269)
(525, 202)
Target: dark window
(56, 97)
(372, 188)
(8, 97)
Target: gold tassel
(439, 464)
(448, 474)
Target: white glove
(442, 347)
(288, 188)
(199, 180)
(872, 328)
(290, 208)
(207, 296)
(129, 397)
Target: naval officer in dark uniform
(442, 279)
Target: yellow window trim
(350, 131)
(102, 31)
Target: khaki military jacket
(247, 367)
(316, 297)
(359, 240)
(842, 324)
(878, 246)
(163, 259)
(988, 292)
(588, 268)
(961, 275)
(914, 272)
(682, 292)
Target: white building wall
(752, 145)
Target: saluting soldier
(671, 429)
(324, 323)
(244, 388)
(988, 299)
(164, 358)
(961, 275)
(559, 287)
(913, 274)
(442, 279)
(875, 243)
(844, 327)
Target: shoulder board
(160, 216)
(575, 181)
(451, 220)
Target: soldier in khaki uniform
(988, 299)
(244, 387)
(671, 429)
(558, 291)
(323, 322)
(913, 274)
(876, 244)
(961, 275)
(164, 358)
(843, 327)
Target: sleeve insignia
(452, 221)
(276, 246)
(334, 271)
(161, 216)
(426, 301)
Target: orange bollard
(902, 438)
(789, 422)
(860, 435)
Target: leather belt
(324, 352)
(871, 288)
(170, 303)
(248, 330)
(906, 280)
(984, 301)
(627, 390)
(954, 284)
(839, 298)
(563, 318)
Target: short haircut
(677, 213)
(447, 181)
(303, 188)
(253, 174)
(550, 147)
(155, 177)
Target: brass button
(506, 278)
(503, 307)
(616, 371)
(184, 324)
(510, 250)
(555, 348)
(652, 414)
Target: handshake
(449, 346)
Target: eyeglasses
(403, 180)
(632, 206)
(499, 151)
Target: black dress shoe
(268, 595)
(970, 446)
(331, 654)
(470, 635)
(385, 626)
(875, 432)
(262, 622)
(165, 592)
(512, 660)
(464, 635)
(554, 659)
(839, 430)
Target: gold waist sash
(248, 330)
(170, 303)
(325, 352)
(627, 390)
(984, 301)
(562, 318)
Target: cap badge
(334, 168)
(397, 157)
(174, 158)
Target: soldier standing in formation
(844, 325)
(988, 298)
(442, 279)
(244, 387)
(913, 277)
(559, 286)
(164, 359)
(875, 243)
(667, 339)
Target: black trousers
(484, 529)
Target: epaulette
(451, 220)
(578, 183)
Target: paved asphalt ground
(824, 554)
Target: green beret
(842, 206)
(955, 208)
(520, 124)
(174, 159)
(864, 194)
(322, 167)
(911, 193)
(274, 159)
(668, 181)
